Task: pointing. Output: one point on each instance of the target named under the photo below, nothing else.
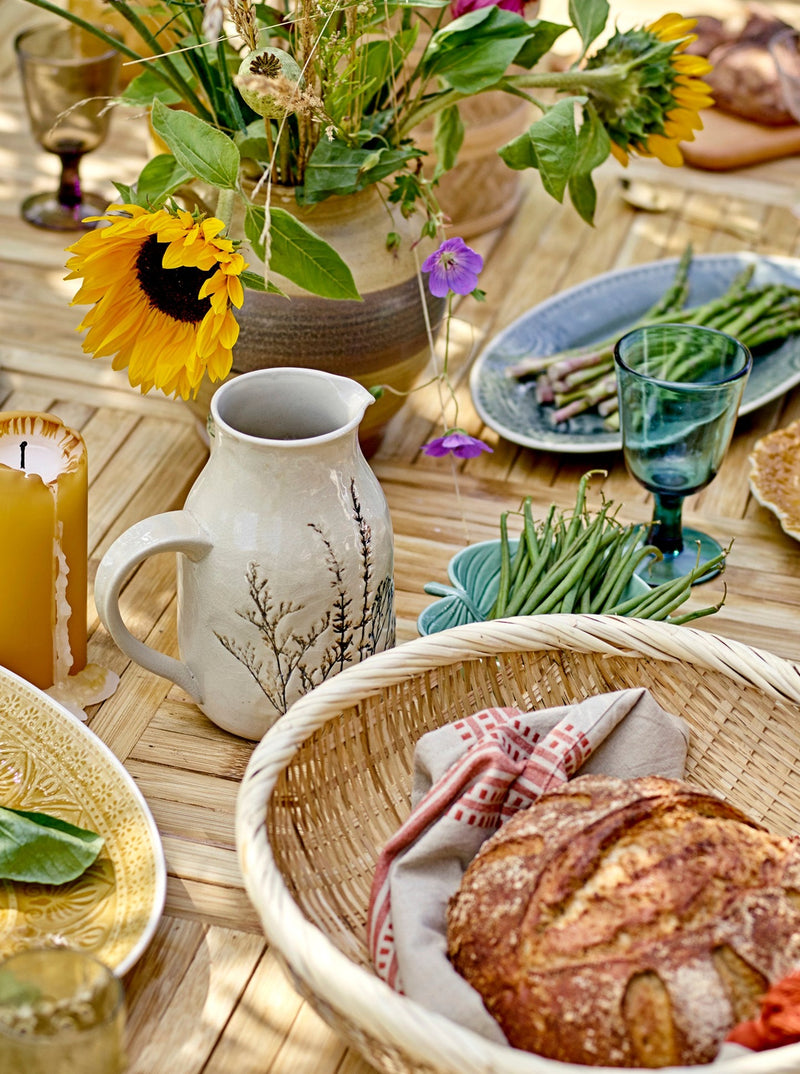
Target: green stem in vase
(224, 210)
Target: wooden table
(207, 996)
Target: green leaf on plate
(41, 849)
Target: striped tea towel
(470, 776)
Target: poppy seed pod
(269, 63)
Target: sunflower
(161, 284)
(654, 105)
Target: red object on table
(779, 1021)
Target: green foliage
(160, 178)
(300, 255)
(337, 168)
(148, 87)
(544, 35)
(565, 154)
(474, 52)
(593, 147)
(448, 137)
(589, 17)
(372, 76)
(204, 152)
(41, 849)
(555, 142)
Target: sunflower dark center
(172, 291)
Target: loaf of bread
(744, 77)
(627, 922)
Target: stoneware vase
(285, 552)
(382, 339)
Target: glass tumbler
(61, 1012)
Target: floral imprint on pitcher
(359, 622)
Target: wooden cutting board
(728, 142)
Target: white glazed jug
(285, 552)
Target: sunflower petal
(141, 315)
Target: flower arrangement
(325, 97)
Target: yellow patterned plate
(53, 763)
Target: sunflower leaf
(300, 255)
(205, 152)
(589, 18)
(38, 848)
(160, 177)
(594, 145)
(556, 145)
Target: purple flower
(461, 7)
(453, 267)
(461, 444)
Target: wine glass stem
(666, 528)
(69, 188)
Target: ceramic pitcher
(285, 553)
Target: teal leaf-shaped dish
(474, 573)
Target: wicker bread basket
(330, 782)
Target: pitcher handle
(172, 531)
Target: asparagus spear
(583, 378)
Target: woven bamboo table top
(208, 996)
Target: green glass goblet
(679, 390)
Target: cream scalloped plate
(52, 763)
(775, 475)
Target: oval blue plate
(598, 309)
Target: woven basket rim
(352, 990)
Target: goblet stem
(69, 187)
(666, 529)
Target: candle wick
(22, 447)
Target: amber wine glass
(68, 77)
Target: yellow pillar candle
(43, 547)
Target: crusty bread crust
(627, 922)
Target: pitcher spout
(354, 395)
(287, 404)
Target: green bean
(576, 561)
(535, 570)
(662, 610)
(531, 541)
(568, 601)
(616, 564)
(520, 561)
(573, 563)
(580, 504)
(700, 612)
(626, 574)
(642, 605)
(647, 605)
(554, 575)
(505, 567)
(587, 587)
